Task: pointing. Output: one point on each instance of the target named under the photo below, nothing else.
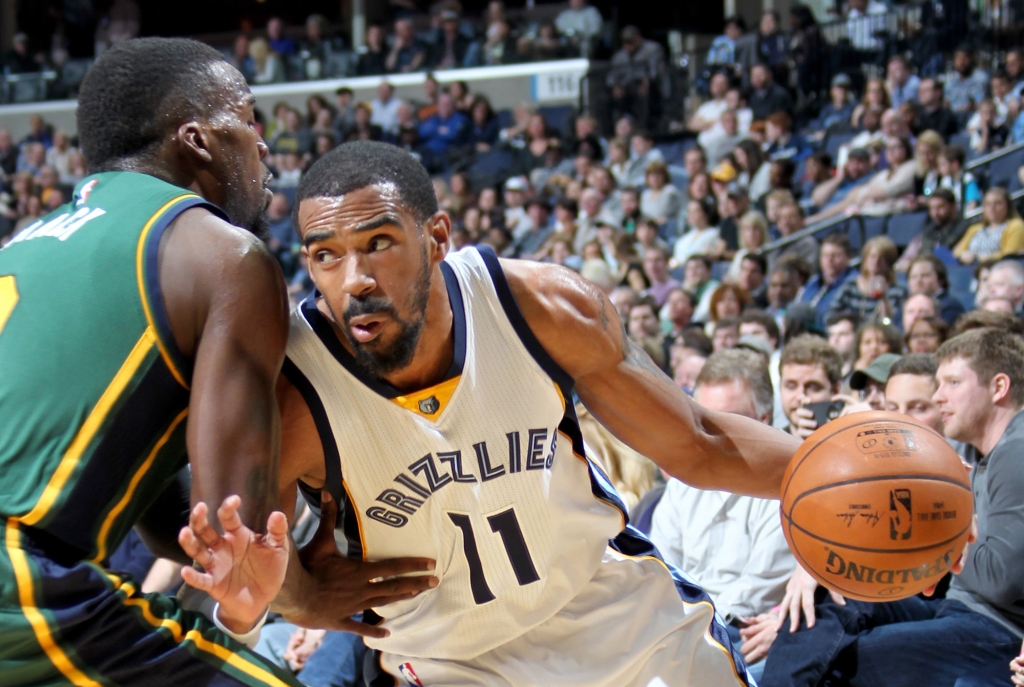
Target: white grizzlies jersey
(484, 472)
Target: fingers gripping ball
(876, 506)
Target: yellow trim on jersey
(108, 522)
(140, 257)
(180, 636)
(40, 627)
(87, 432)
(718, 645)
(442, 392)
(8, 298)
(359, 522)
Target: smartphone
(825, 411)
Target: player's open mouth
(365, 328)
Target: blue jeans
(337, 663)
(905, 643)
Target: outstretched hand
(800, 596)
(242, 570)
(343, 587)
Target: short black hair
(843, 316)
(758, 316)
(922, 364)
(762, 261)
(359, 164)
(125, 98)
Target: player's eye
(324, 257)
(379, 243)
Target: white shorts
(633, 624)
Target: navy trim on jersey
(522, 327)
(158, 307)
(631, 542)
(347, 520)
(129, 434)
(325, 332)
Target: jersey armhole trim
(520, 325)
(333, 482)
(147, 271)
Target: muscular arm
(629, 395)
(228, 310)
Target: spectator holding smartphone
(810, 371)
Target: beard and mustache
(379, 359)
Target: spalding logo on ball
(876, 506)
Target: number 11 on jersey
(507, 525)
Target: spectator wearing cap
(766, 96)
(834, 270)
(452, 45)
(855, 172)
(517, 220)
(869, 383)
(901, 83)
(735, 204)
(446, 130)
(839, 110)
(642, 154)
(933, 114)
(581, 23)
(782, 143)
(967, 85)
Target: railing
(984, 160)
(817, 228)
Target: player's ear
(194, 139)
(438, 230)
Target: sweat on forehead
(360, 164)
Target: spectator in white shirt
(384, 109)
(580, 23)
(710, 112)
(862, 23)
(733, 544)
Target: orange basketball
(876, 506)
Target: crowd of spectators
(699, 244)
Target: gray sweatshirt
(992, 581)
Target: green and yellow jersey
(93, 390)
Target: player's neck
(436, 346)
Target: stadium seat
(505, 118)
(1002, 171)
(680, 179)
(720, 269)
(835, 141)
(960, 278)
(873, 226)
(558, 117)
(672, 152)
(903, 228)
(966, 299)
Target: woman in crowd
(463, 99)
(927, 153)
(925, 335)
(753, 235)
(636, 278)
(874, 292)
(752, 168)
(874, 339)
(727, 301)
(888, 192)
(267, 65)
(702, 218)
(461, 194)
(618, 159)
(876, 97)
(660, 200)
(700, 189)
(315, 104)
(363, 129)
(483, 127)
(534, 154)
(1000, 233)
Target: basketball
(876, 506)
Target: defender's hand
(344, 587)
(243, 570)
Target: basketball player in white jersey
(430, 395)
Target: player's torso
(479, 472)
(92, 392)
